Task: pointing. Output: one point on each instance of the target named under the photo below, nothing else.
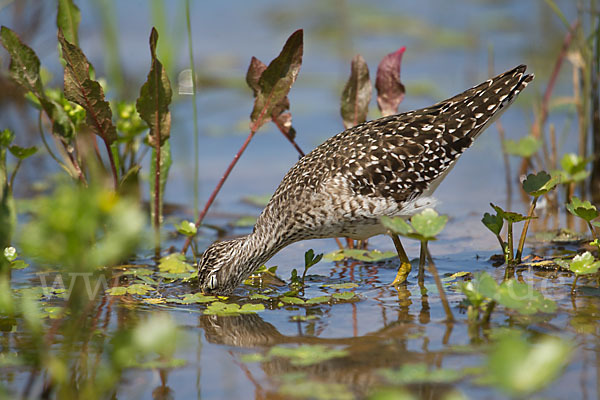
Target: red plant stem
(288, 137)
(538, 127)
(157, 183)
(113, 167)
(211, 199)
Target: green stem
(41, 130)
(509, 255)
(574, 284)
(592, 230)
(11, 185)
(488, 312)
(422, 257)
(438, 282)
(525, 228)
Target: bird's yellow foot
(402, 274)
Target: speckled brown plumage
(388, 166)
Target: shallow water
(381, 327)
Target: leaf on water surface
(345, 285)
(175, 264)
(312, 389)
(224, 309)
(582, 209)
(540, 184)
(360, 255)
(493, 222)
(584, 264)
(67, 20)
(117, 291)
(356, 94)
(456, 275)
(190, 298)
(390, 91)
(155, 97)
(305, 354)
(303, 318)
(318, 300)
(258, 296)
(345, 296)
(275, 81)
(292, 300)
(86, 92)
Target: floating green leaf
(305, 355)
(224, 309)
(420, 373)
(360, 255)
(292, 300)
(346, 285)
(345, 296)
(175, 264)
(318, 300)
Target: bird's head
(222, 267)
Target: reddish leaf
(255, 70)
(277, 79)
(357, 93)
(88, 93)
(390, 91)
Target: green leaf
(582, 209)
(572, 163)
(346, 285)
(344, 296)
(540, 184)
(428, 223)
(521, 368)
(117, 291)
(356, 95)
(24, 63)
(305, 355)
(397, 225)
(420, 373)
(186, 228)
(493, 222)
(88, 93)
(310, 259)
(526, 146)
(509, 216)
(584, 264)
(318, 300)
(175, 264)
(360, 255)
(276, 80)
(155, 97)
(22, 152)
(249, 308)
(292, 300)
(6, 138)
(67, 20)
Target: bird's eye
(212, 281)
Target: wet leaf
(117, 291)
(276, 80)
(88, 93)
(584, 264)
(344, 296)
(305, 354)
(67, 20)
(360, 255)
(186, 228)
(175, 264)
(390, 91)
(582, 209)
(346, 285)
(139, 288)
(258, 296)
(224, 309)
(155, 97)
(526, 146)
(493, 222)
(318, 300)
(22, 152)
(540, 184)
(455, 275)
(357, 93)
(292, 300)
(313, 389)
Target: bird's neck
(257, 248)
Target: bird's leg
(405, 266)
(438, 282)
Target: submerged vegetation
(96, 288)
